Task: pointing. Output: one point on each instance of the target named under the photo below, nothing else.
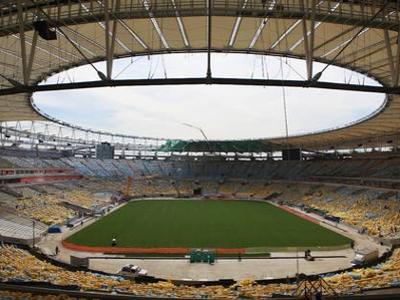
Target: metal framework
(49, 136)
(361, 35)
(201, 80)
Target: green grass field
(205, 224)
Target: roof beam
(390, 56)
(24, 57)
(133, 34)
(332, 39)
(182, 30)
(76, 44)
(153, 20)
(109, 37)
(397, 61)
(344, 44)
(262, 25)
(285, 34)
(236, 26)
(363, 50)
(209, 37)
(308, 36)
(32, 53)
(201, 80)
(316, 24)
(34, 41)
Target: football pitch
(205, 224)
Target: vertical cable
(209, 2)
(285, 109)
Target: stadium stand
(362, 208)
(18, 264)
(374, 211)
(348, 174)
(15, 227)
(356, 170)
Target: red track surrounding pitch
(136, 250)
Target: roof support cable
(316, 25)
(292, 68)
(122, 23)
(253, 67)
(164, 68)
(103, 26)
(147, 5)
(13, 82)
(262, 25)
(209, 36)
(182, 30)
(100, 74)
(236, 26)
(285, 110)
(359, 32)
(127, 66)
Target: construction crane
(127, 193)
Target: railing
(34, 171)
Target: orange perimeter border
(299, 214)
(135, 250)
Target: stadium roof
(358, 35)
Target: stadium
(90, 213)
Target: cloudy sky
(223, 112)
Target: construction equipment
(202, 256)
(312, 287)
(127, 193)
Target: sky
(223, 112)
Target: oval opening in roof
(220, 111)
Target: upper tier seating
(265, 170)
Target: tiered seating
(84, 199)
(383, 275)
(27, 192)
(15, 161)
(110, 167)
(104, 185)
(165, 187)
(209, 187)
(146, 187)
(56, 163)
(6, 198)
(19, 228)
(35, 162)
(360, 208)
(228, 188)
(265, 170)
(11, 295)
(136, 169)
(46, 209)
(185, 187)
(19, 264)
(124, 168)
(78, 166)
(97, 167)
(257, 189)
(48, 206)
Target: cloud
(223, 112)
